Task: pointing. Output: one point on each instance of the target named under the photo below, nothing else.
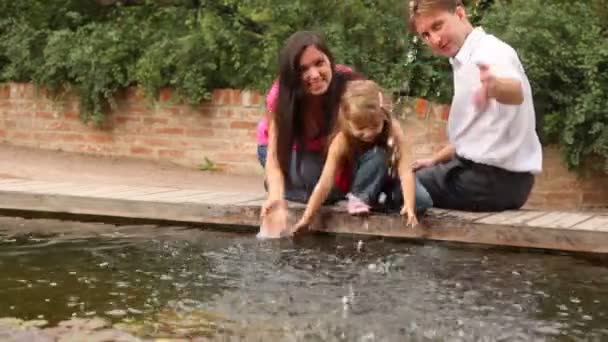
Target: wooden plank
(598, 223)
(11, 180)
(499, 218)
(545, 220)
(569, 220)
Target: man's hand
(487, 91)
(423, 163)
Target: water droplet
(117, 312)
(104, 264)
(53, 284)
(587, 318)
(575, 300)
(47, 300)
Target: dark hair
(288, 114)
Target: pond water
(181, 282)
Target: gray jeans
(462, 184)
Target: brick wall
(223, 130)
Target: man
(493, 150)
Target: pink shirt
(272, 99)
(343, 178)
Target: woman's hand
(411, 219)
(270, 205)
(275, 217)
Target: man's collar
(468, 46)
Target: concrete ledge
(570, 231)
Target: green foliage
(194, 46)
(564, 47)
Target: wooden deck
(572, 231)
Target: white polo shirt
(502, 135)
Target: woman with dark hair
(302, 108)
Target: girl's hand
(411, 219)
(301, 226)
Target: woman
(301, 117)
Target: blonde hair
(363, 101)
(421, 7)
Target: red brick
(236, 157)
(71, 115)
(2, 133)
(5, 92)
(251, 98)
(58, 126)
(125, 119)
(153, 121)
(445, 113)
(165, 94)
(243, 125)
(134, 94)
(20, 135)
(101, 138)
(70, 137)
(174, 110)
(22, 90)
(598, 198)
(44, 115)
(158, 142)
(200, 132)
(137, 110)
(10, 124)
(138, 150)
(220, 97)
(172, 153)
(421, 107)
(169, 130)
(235, 96)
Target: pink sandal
(356, 206)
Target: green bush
(194, 46)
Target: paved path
(573, 231)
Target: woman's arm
(274, 177)
(335, 155)
(406, 174)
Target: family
(329, 133)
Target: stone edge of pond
(568, 231)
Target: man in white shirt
(494, 151)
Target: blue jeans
(370, 180)
(262, 152)
(394, 196)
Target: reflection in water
(172, 281)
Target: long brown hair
(288, 116)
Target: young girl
(364, 123)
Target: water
(181, 282)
